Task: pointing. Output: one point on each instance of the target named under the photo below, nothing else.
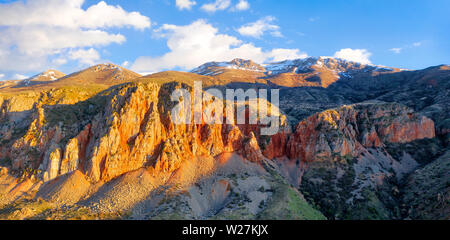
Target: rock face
(347, 131)
(346, 163)
(131, 129)
(251, 149)
(349, 156)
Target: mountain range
(356, 142)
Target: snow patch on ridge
(341, 67)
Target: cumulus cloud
(185, 4)
(34, 33)
(2, 76)
(89, 56)
(200, 42)
(42, 40)
(242, 5)
(69, 14)
(216, 6)
(258, 28)
(355, 55)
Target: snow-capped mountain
(288, 66)
(49, 75)
(105, 74)
(215, 68)
(307, 64)
(311, 71)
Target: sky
(148, 36)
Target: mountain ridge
(352, 148)
(310, 71)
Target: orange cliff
(350, 129)
(132, 129)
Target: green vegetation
(322, 186)
(240, 213)
(370, 208)
(76, 113)
(424, 150)
(31, 209)
(426, 194)
(6, 161)
(287, 203)
(24, 209)
(77, 213)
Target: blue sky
(161, 35)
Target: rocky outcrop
(347, 165)
(131, 128)
(100, 138)
(350, 129)
(251, 150)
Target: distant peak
(211, 68)
(240, 62)
(246, 64)
(47, 76)
(50, 74)
(105, 67)
(108, 65)
(337, 66)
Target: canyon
(355, 142)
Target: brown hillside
(100, 76)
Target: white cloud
(69, 14)
(396, 50)
(88, 57)
(49, 40)
(2, 76)
(185, 4)
(200, 42)
(242, 5)
(19, 77)
(258, 28)
(216, 6)
(405, 47)
(35, 33)
(125, 64)
(145, 73)
(355, 55)
(281, 54)
(59, 61)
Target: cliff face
(352, 159)
(350, 129)
(130, 127)
(120, 131)
(107, 136)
